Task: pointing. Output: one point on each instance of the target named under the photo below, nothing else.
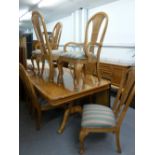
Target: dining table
(65, 94)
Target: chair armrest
(89, 53)
(72, 43)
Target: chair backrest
(28, 86)
(56, 35)
(41, 32)
(95, 32)
(125, 95)
(35, 45)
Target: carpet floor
(47, 141)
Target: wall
(67, 30)
(120, 30)
(121, 22)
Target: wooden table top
(60, 94)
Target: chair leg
(32, 61)
(117, 134)
(51, 74)
(84, 76)
(78, 75)
(60, 73)
(42, 69)
(37, 61)
(82, 136)
(98, 73)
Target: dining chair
(99, 118)
(47, 46)
(87, 52)
(55, 41)
(36, 103)
(36, 55)
(55, 36)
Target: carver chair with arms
(88, 52)
(99, 118)
(47, 46)
(37, 103)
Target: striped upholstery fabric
(97, 116)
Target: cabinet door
(112, 72)
(106, 71)
(117, 74)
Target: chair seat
(97, 116)
(36, 51)
(68, 54)
(56, 53)
(74, 54)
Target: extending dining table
(65, 93)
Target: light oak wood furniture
(35, 45)
(113, 72)
(65, 94)
(99, 118)
(114, 61)
(46, 46)
(22, 60)
(36, 55)
(22, 56)
(89, 50)
(110, 71)
(56, 35)
(36, 103)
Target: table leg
(68, 111)
(43, 66)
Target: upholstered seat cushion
(68, 54)
(29, 63)
(36, 51)
(57, 53)
(97, 116)
(74, 54)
